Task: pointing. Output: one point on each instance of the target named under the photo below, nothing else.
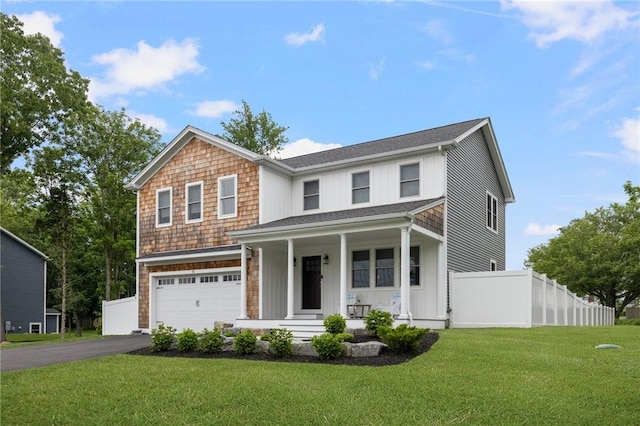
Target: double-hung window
(194, 202)
(227, 197)
(414, 267)
(360, 187)
(163, 206)
(312, 195)
(360, 269)
(384, 267)
(410, 180)
(492, 212)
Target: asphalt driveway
(54, 353)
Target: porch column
(289, 279)
(404, 273)
(343, 275)
(243, 282)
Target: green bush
(403, 338)
(99, 330)
(187, 340)
(630, 321)
(334, 324)
(266, 337)
(210, 341)
(162, 338)
(328, 346)
(280, 342)
(245, 342)
(376, 319)
(345, 337)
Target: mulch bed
(386, 357)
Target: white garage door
(197, 301)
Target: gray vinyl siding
(470, 174)
(21, 285)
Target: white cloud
(305, 146)
(628, 131)
(146, 68)
(375, 70)
(597, 154)
(437, 30)
(537, 229)
(215, 109)
(426, 65)
(44, 23)
(585, 21)
(151, 120)
(314, 34)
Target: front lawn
(550, 375)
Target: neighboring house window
(410, 180)
(360, 268)
(414, 269)
(227, 200)
(194, 202)
(163, 207)
(384, 267)
(492, 212)
(360, 187)
(493, 265)
(312, 195)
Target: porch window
(410, 180)
(360, 187)
(414, 269)
(194, 202)
(163, 207)
(492, 212)
(384, 267)
(312, 195)
(360, 268)
(227, 200)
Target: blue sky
(560, 80)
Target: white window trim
(158, 191)
(304, 196)
(186, 202)
(235, 197)
(364, 203)
(486, 212)
(410, 163)
(39, 324)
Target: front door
(311, 282)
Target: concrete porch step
(304, 330)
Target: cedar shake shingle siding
(470, 174)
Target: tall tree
(257, 133)
(38, 92)
(598, 254)
(112, 148)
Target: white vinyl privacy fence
(518, 299)
(119, 316)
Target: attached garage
(196, 301)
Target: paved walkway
(54, 353)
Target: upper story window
(194, 202)
(227, 198)
(384, 267)
(410, 180)
(360, 187)
(312, 195)
(163, 206)
(492, 212)
(360, 268)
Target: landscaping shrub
(280, 342)
(630, 321)
(211, 341)
(403, 338)
(328, 346)
(345, 337)
(376, 319)
(162, 338)
(187, 340)
(266, 337)
(245, 342)
(334, 324)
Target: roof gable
(23, 243)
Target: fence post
(544, 299)
(565, 306)
(555, 302)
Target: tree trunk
(107, 287)
(63, 271)
(78, 324)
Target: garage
(197, 301)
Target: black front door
(311, 282)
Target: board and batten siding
(470, 174)
(384, 184)
(22, 285)
(275, 195)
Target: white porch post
(243, 282)
(343, 275)
(404, 273)
(289, 279)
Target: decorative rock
(303, 348)
(221, 325)
(366, 349)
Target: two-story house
(225, 234)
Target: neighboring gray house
(23, 286)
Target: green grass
(26, 339)
(547, 376)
